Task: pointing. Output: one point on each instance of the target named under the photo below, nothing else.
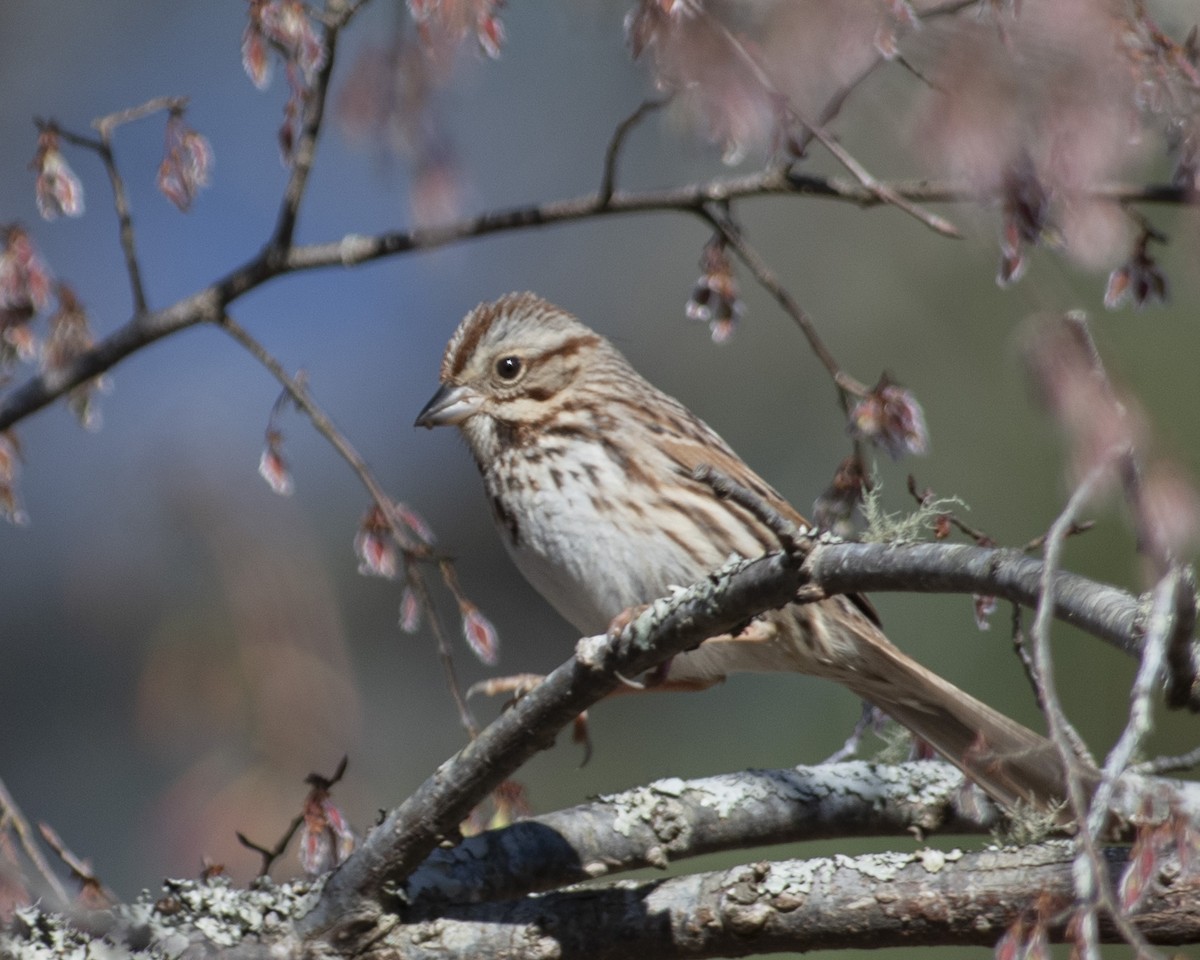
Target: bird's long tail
(1011, 763)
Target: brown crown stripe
(460, 352)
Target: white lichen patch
(878, 866)
(190, 916)
(934, 861)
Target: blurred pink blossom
(891, 418)
(186, 164)
(59, 192)
(1037, 104)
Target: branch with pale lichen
(671, 820)
(729, 597)
(926, 897)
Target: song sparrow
(589, 469)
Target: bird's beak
(450, 406)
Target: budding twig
(11, 816)
(727, 488)
(324, 425)
(608, 181)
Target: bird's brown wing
(839, 638)
(709, 450)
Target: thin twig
(413, 550)
(1093, 887)
(94, 892)
(206, 304)
(108, 123)
(104, 149)
(1160, 628)
(766, 278)
(878, 188)
(450, 578)
(324, 426)
(1020, 642)
(305, 150)
(608, 181)
(725, 487)
(271, 854)
(1161, 765)
(10, 812)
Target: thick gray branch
(728, 598)
(673, 819)
(923, 898)
(927, 898)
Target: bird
(591, 474)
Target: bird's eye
(507, 368)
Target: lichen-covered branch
(673, 819)
(925, 897)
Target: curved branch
(729, 597)
(1106, 612)
(348, 906)
(207, 305)
(672, 819)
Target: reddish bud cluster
(892, 419)
(716, 299)
(898, 17)
(272, 466)
(410, 611)
(374, 546)
(326, 840)
(24, 292)
(285, 26)
(1139, 280)
(70, 336)
(1025, 219)
(390, 100)
(833, 509)
(479, 633)
(1173, 845)
(415, 523)
(59, 192)
(1167, 77)
(10, 471)
(1024, 941)
(186, 164)
(447, 22)
(1032, 108)
(985, 606)
(1106, 432)
(711, 72)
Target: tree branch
(395, 848)
(207, 305)
(726, 599)
(672, 819)
(924, 898)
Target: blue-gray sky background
(179, 646)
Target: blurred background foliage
(179, 646)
